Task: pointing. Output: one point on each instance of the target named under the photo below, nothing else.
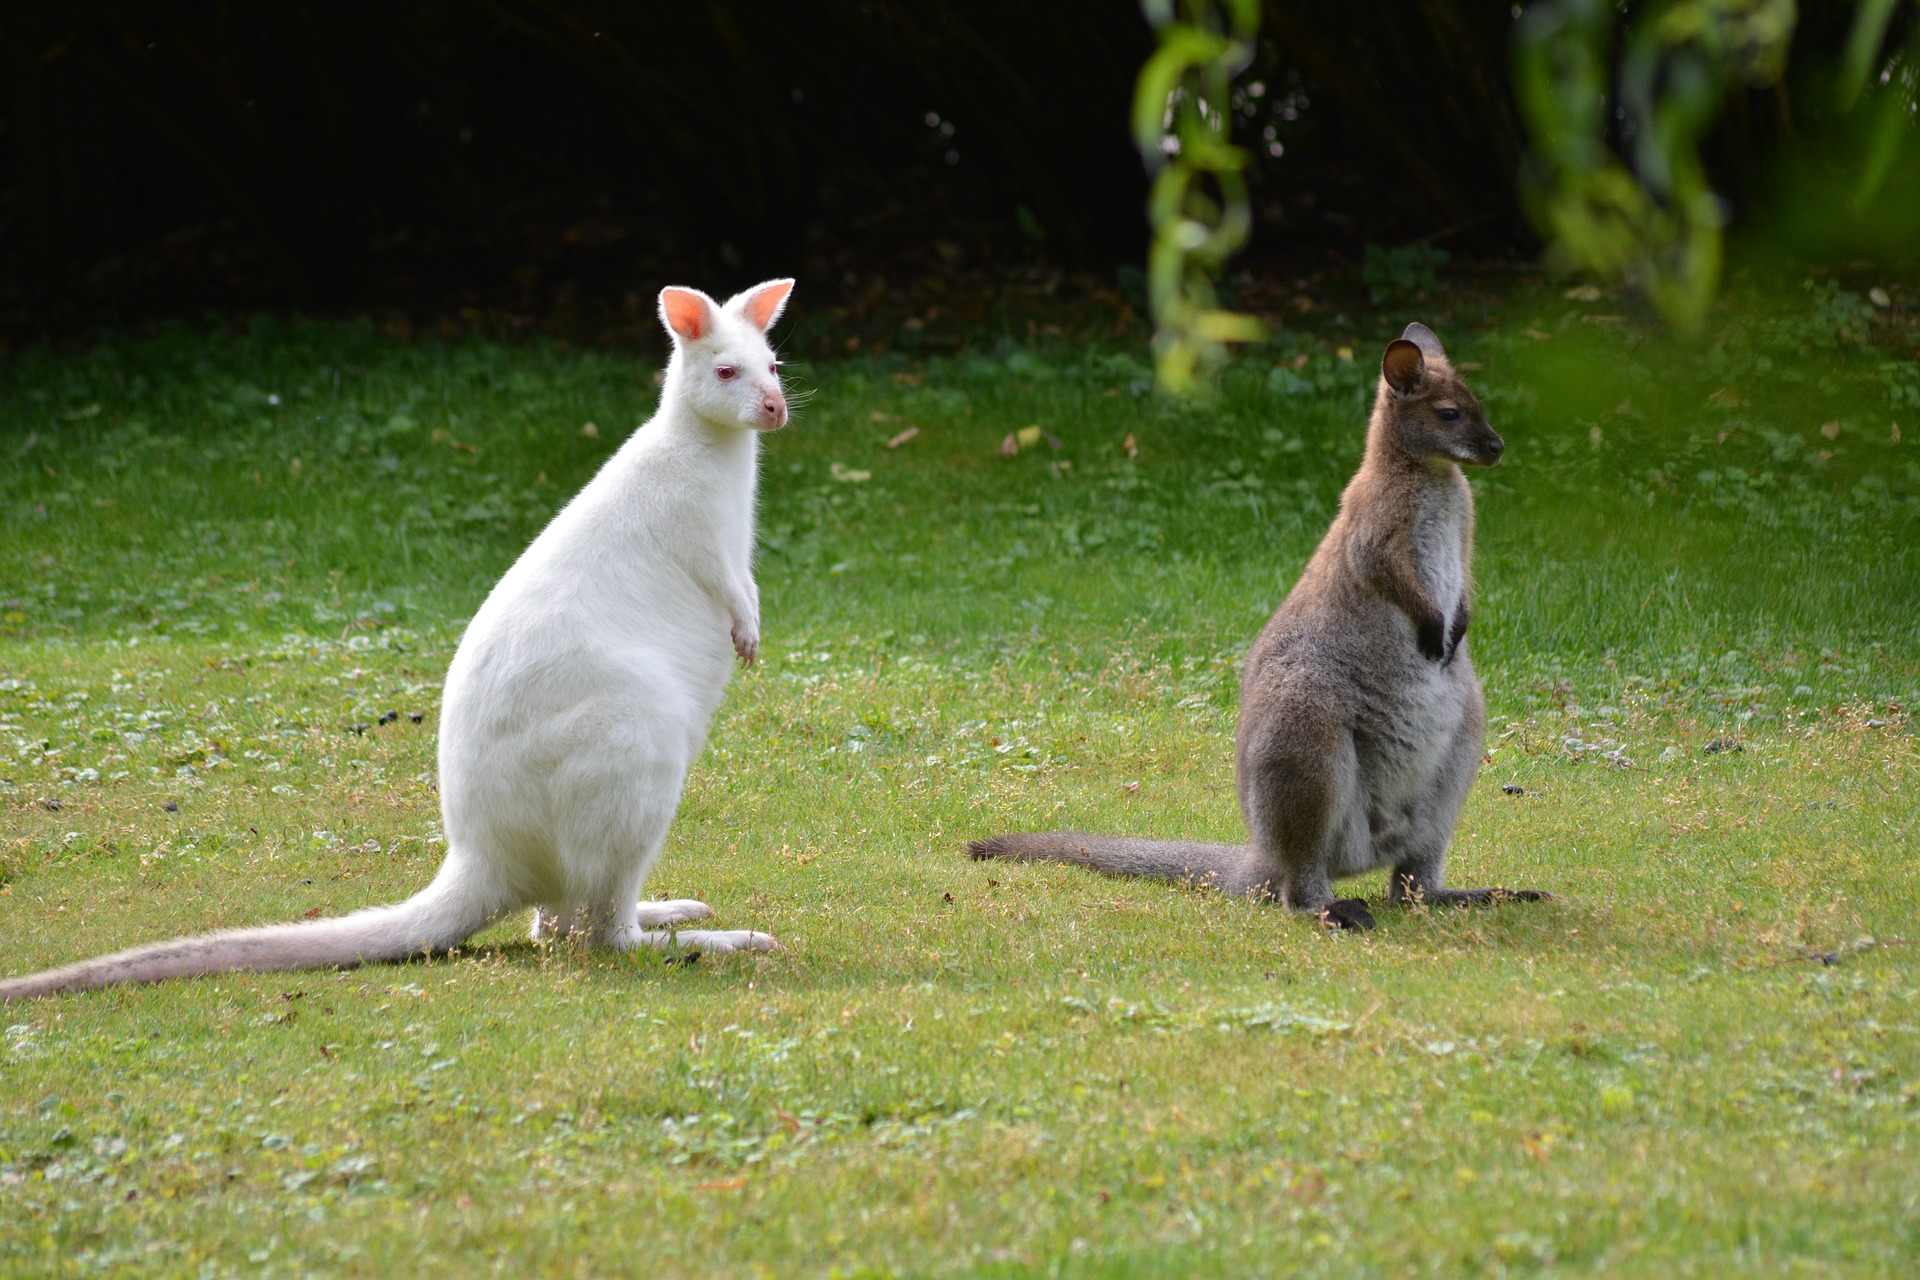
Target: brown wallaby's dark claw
(1346, 913)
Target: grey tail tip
(991, 847)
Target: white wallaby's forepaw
(670, 911)
(746, 642)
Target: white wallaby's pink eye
(725, 372)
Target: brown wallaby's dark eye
(725, 372)
(1449, 415)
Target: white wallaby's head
(722, 367)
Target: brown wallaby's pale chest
(1440, 526)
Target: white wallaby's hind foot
(718, 941)
(659, 914)
(670, 911)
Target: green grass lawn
(223, 553)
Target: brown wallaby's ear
(1403, 367)
(763, 303)
(1425, 339)
(687, 313)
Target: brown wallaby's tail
(441, 916)
(1230, 868)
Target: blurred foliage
(1652, 219)
(1893, 110)
(1199, 207)
(1621, 102)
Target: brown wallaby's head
(1424, 408)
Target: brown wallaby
(1360, 715)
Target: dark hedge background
(546, 164)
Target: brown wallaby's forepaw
(1431, 635)
(1458, 631)
(1346, 913)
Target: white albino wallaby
(580, 694)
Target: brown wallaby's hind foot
(1412, 894)
(1346, 913)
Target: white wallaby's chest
(1439, 538)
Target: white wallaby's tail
(1230, 868)
(438, 918)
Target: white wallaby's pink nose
(774, 409)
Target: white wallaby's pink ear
(763, 303)
(687, 313)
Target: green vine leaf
(1198, 207)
